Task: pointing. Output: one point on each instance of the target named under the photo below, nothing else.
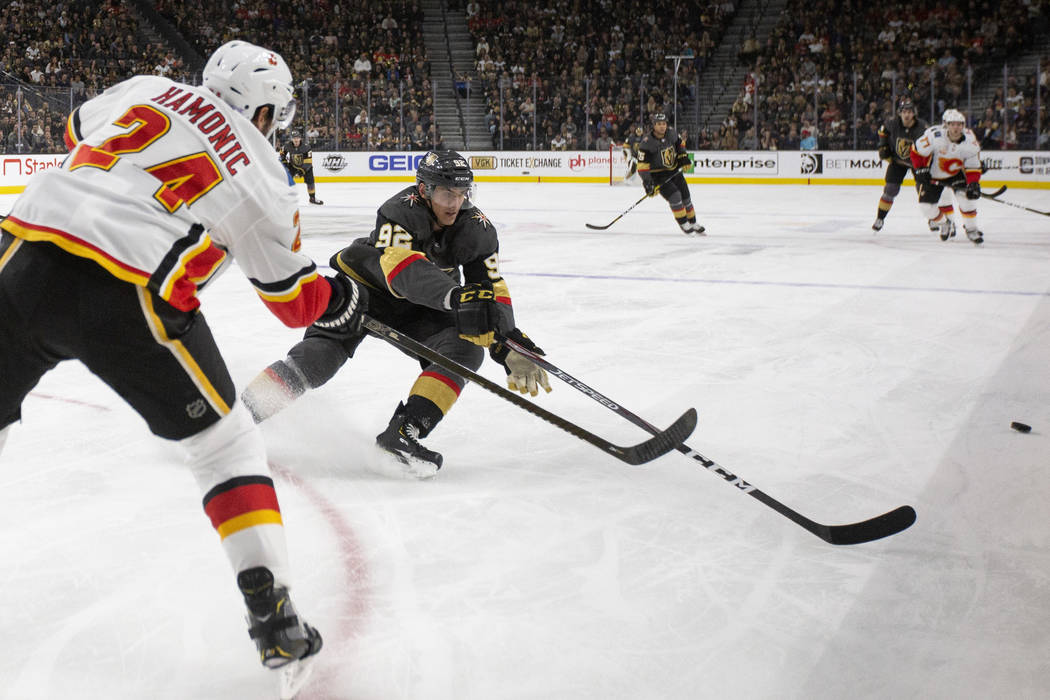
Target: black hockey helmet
(446, 168)
(658, 117)
(294, 134)
(905, 103)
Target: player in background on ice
(102, 259)
(948, 156)
(630, 153)
(661, 157)
(431, 271)
(896, 137)
(299, 159)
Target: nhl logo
(334, 162)
(812, 163)
(196, 409)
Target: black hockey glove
(650, 187)
(683, 162)
(922, 179)
(477, 316)
(345, 310)
(973, 190)
(522, 373)
(885, 153)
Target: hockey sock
(228, 461)
(274, 389)
(884, 207)
(424, 413)
(680, 216)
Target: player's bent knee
(320, 357)
(469, 355)
(229, 448)
(930, 211)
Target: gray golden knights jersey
(164, 183)
(407, 259)
(657, 155)
(900, 138)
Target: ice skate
(315, 200)
(285, 643)
(975, 236)
(946, 229)
(401, 451)
(877, 226)
(695, 229)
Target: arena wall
(1018, 169)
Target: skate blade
(396, 467)
(294, 676)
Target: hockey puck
(1021, 427)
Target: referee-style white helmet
(248, 77)
(953, 115)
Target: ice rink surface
(843, 372)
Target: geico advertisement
(527, 163)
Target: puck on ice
(1021, 427)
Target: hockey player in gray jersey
(431, 270)
(661, 158)
(895, 140)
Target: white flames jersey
(164, 182)
(946, 158)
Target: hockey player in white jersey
(948, 157)
(101, 261)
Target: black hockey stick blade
(661, 443)
(874, 529)
(854, 533)
(869, 530)
(602, 228)
(993, 195)
(644, 197)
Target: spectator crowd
(560, 75)
(826, 58)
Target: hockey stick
(1014, 204)
(662, 442)
(644, 197)
(854, 533)
(994, 194)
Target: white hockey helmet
(248, 77)
(952, 115)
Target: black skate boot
(315, 200)
(279, 635)
(877, 226)
(975, 236)
(401, 440)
